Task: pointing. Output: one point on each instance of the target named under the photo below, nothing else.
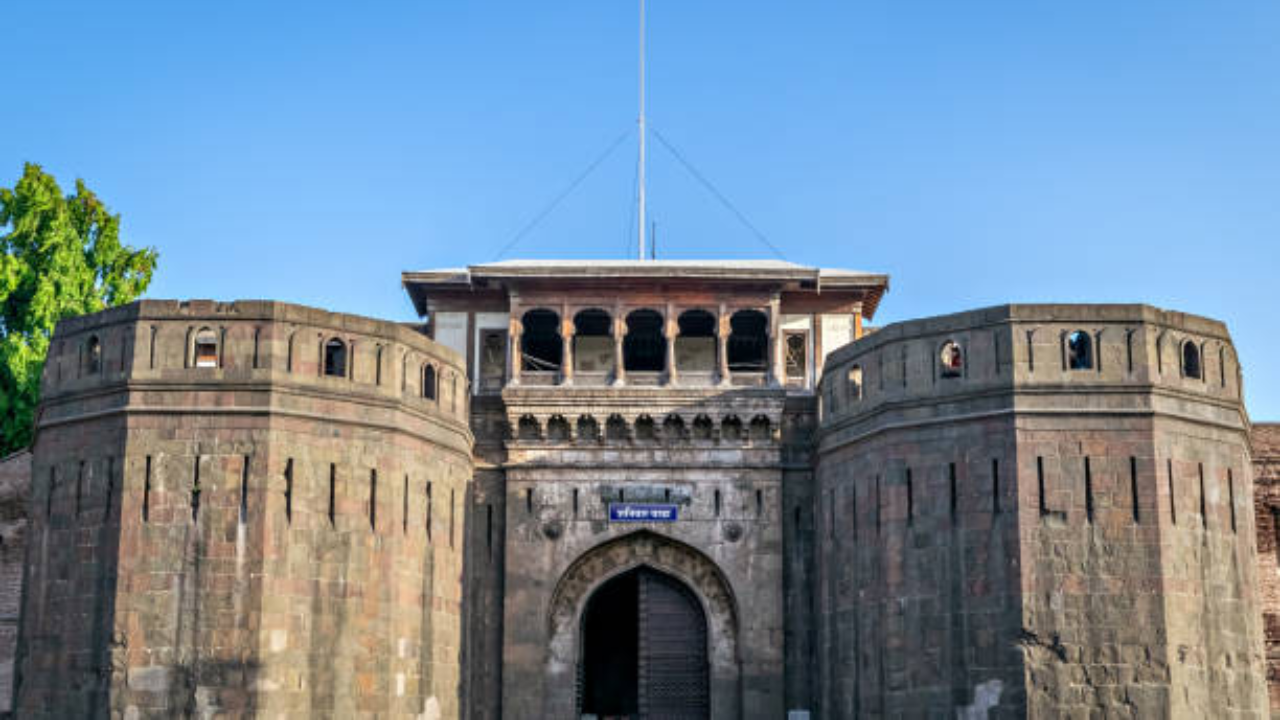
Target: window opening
(335, 358)
(853, 380)
(748, 341)
(797, 346)
(493, 359)
(696, 344)
(645, 347)
(540, 344)
(1079, 351)
(93, 356)
(1191, 360)
(593, 350)
(951, 359)
(206, 349)
(429, 381)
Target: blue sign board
(642, 512)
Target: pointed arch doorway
(644, 650)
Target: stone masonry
(15, 486)
(249, 509)
(1266, 468)
(256, 509)
(1038, 511)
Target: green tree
(60, 256)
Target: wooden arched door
(644, 650)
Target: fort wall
(1266, 464)
(245, 508)
(996, 522)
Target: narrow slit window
(1204, 515)
(1044, 502)
(488, 527)
(831, 515)
(404, 506)
(995, 486)
(1088, 490)
(877, 504)
(575, 502)
(429, 511)
(528, 501)
(951, 478)
(1231, 497)
(911, 500)
(288, 491)
(452, 510)
(1133, 489)
(717, 503)
(195, 490)
(53, 487)
(146, 493)
(373, 500)
(333, 493)
(759, 502)
(111, 487)
(244, 489)
(1173, 501)
(79, 486)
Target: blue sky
(978, 152)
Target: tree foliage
(60, 256)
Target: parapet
(1058, 358)
(247, 346)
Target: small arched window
(951, 359)
(335, 358)
(1079, 351)
(853, 382)
(1191, 360)
(206, 349)
(429, 381)
(93, 356)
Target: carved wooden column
(619, 334)
(775, 344)
(723, 330)
(671, 330)
(567, 331)
(515, 329)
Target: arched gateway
(643, 626)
